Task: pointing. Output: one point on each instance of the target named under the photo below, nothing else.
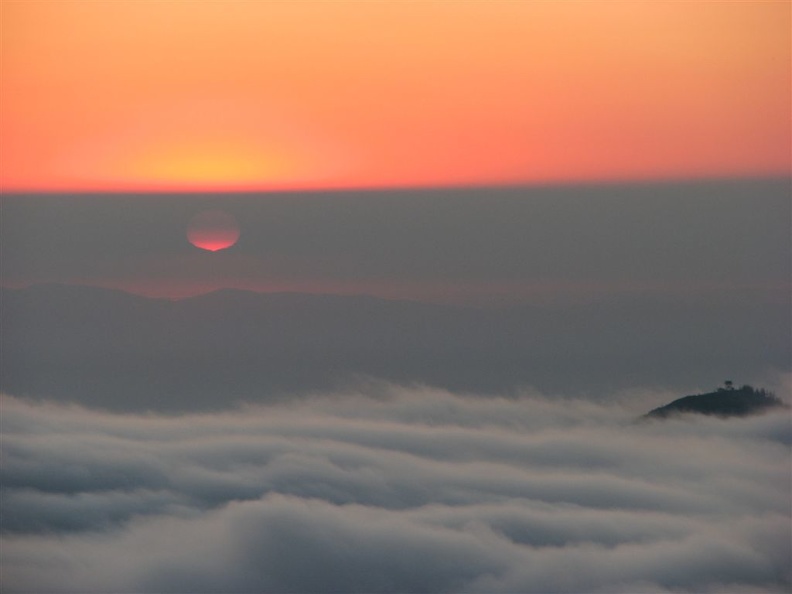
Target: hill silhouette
(723, 402)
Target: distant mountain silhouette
(115, 350)
(724, 402)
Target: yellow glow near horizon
(211, 165)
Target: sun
(213, 230)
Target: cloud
(394, 489)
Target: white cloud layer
(395, 490)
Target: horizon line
(510, 185)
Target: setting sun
(213, 230)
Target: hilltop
(726, 401)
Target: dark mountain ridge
(727, 401)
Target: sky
(370, 296)
(195, 96)
(123, 121)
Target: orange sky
(240, 95)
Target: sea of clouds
(394, 489)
